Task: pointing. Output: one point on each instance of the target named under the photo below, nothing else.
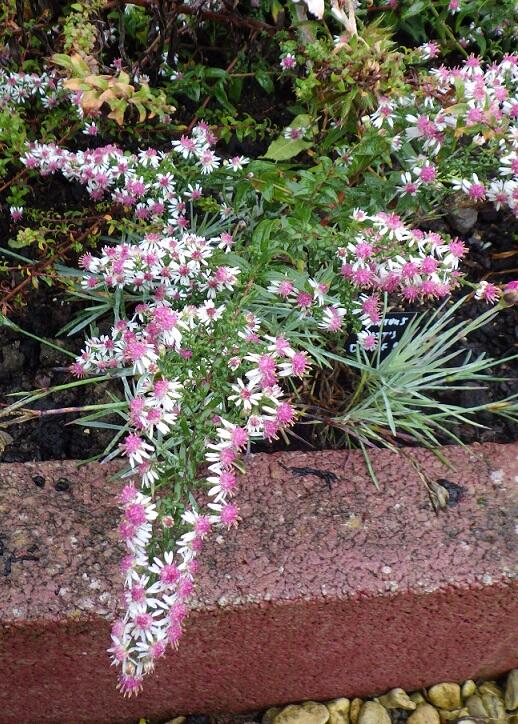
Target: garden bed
(28, 364)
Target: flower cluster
(17, 88)
(385, 255)
(146, 181)
(178, 292)
(458, 132)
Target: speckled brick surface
(327, 588)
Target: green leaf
(235, 88)
(282, 149)
(20, 241)
(264, 80)
(303, 120)
(63, 60)
(221, 96)
(215, 73)
(414, 9)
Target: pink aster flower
(136, 449)
(297, 366)
(229, 515)
(130, 685)
(16, 213)
(487, 292)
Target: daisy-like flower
(245, 396)
(90, 129)
(332, 318)
(368, 340)
(429, 50)
(185, 146)
(167, 571)
(319, 291)
(294, 134)
(500, 192)
(283, 287)
(487, 292)
(136, 449)
(236, 163)
(16, 213)
(208, 161)
(296, 366)
(384, 114)
(409, 185)
(222, 484)
(288, 62)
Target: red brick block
(328, 587)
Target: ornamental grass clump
(401, 397)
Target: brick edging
(328, 587)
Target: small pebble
(490, 687)
(39, 481)
(338, 711)
(445, 696)
(270, 714)
(373, 713)
(453, 714)
(417, 698)
(455, 491)
(424, 714)
(468, 688)
(511, 691)
(62, 485)
(476, 706)
(354, 711)
(307, 713)
(397, 699)
(494, 705)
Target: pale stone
(338, 711)
(318, 712)
(511, 691)
(417, 698)
(453, 714)
(476, 706)
(494, 706)
(307, 713)
(373, 713)
(491, 687)
(463, 219)
(486, 705)
(468, 688)
(445, 696)
(397, 699)
(424, 714)
(177, 720)
(19, 539)
(354, 711)
(270, 714)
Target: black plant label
(388, 334)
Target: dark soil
(26, 364)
